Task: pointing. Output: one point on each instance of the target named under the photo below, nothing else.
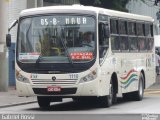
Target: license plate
(53, 88)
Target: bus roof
(81, 9)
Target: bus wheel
(138, 95)
(106, 101)
(43, 102)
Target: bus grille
(55, 82)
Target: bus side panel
(133, 65)
(150, 75)
(119, 64)
(106, 71)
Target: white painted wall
(3, 20)
(148, 9)
(9, 11)
(157, 40)
(15, 7)
(3, 50)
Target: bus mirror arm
(8, 36)
(12, 25)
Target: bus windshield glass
(57, 39)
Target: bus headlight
(22, 78)
(91, 76)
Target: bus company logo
(127, 79)
(54, 78)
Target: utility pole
(3, 49)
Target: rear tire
(43, 102)
(137, 95)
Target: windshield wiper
(66, 49)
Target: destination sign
(45, 21)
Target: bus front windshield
(56, 39)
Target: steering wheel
(86, 44)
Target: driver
(88, 40)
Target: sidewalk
(11, 98)
(156, 85)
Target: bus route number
(45, 21)
(73, 76)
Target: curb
(151, 90)
(17, 104)
(148, 90)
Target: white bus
(84, 53)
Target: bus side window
(103, 39)
(142, 43)
(150, 43)
(133, 43)
(123, 35)
(114, 26)
(140, 28)
(115, 43)
(114, 35)
(124, 43)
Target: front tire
(107, 101)
(43, 102)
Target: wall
(15, 7)
(148, 8)
(3, 50)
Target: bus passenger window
(115, 42)
(140, 29)
(141, 44)
(150, 42)
(133, 43)
(131, 28)
(122, 27)
(147, 30)
(123, 43)
(114, 26)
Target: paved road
(69, 110)
(150, 104)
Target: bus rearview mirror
(8, 40)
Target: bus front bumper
(82, 89)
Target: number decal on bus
(33, 76)
(73, 76)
